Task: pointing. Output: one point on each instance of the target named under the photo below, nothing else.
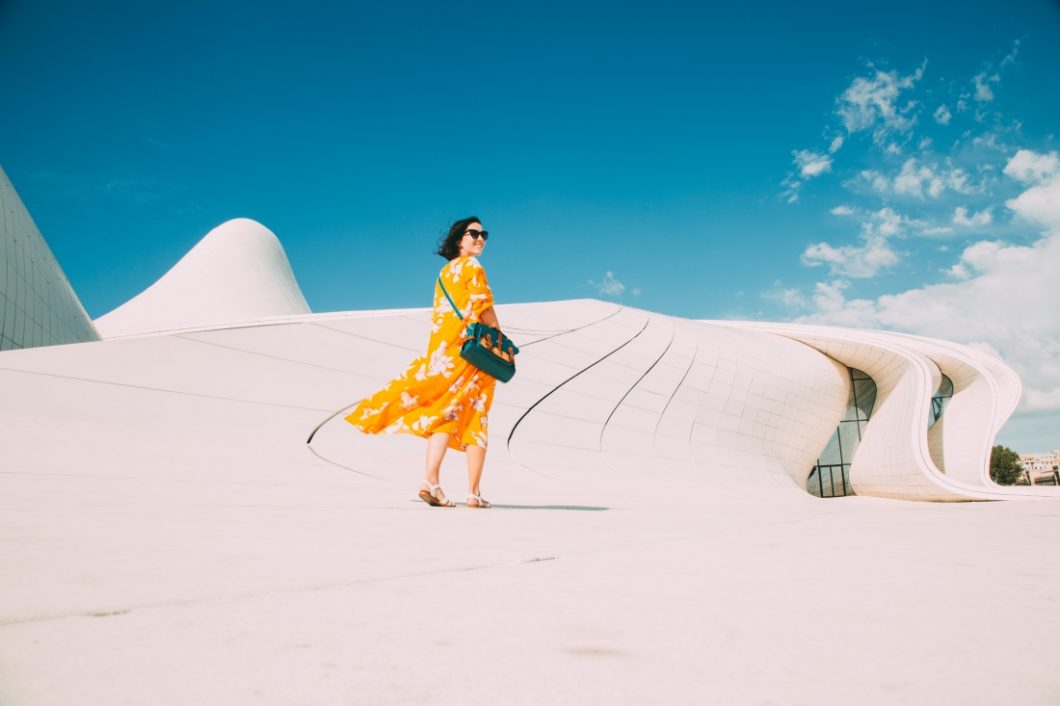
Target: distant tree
(1005, 467)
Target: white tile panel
(38, 307)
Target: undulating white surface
(171, 538)
(37, 305)
(237, 272)
(899, 455)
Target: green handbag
(485, 347)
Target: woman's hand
(489, 317)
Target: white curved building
(659, 530)
(936, 408)
(607, 389)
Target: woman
(442, 397)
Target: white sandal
(430, 496)
(480, 503)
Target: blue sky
(828, 161)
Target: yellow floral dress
(440, 392)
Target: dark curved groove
(318, 427)
(547, 394)
(674, 393)
(344, 408)
(334, 463)
(600, 442)
(573, 330)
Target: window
(940, 400)
(830, 477)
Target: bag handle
(457, 311)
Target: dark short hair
(449, 246)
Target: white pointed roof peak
(238, 272)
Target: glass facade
(830, 477)
(940, 400)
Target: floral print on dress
(439, 392)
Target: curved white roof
(237, 272)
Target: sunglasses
(476, 234)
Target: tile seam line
(357, 335)
(187, 337)
(163, 390)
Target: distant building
(1042, 467)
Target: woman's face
(470, 245)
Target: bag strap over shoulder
(451, 302)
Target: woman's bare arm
(489, 317)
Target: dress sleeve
(480, 297)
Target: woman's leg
(436, 447)
(476, 460)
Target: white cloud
(943, 115)
(887, 222)
(812, 164)
(1039, 204)
(609, 286)
(790, 297)
(837, 142)
(936, 230)
(872, 255)
(842, 210)
(962, 217)
(983, 93)
(919, 180)
(828, 296)
(1011, 56)
(872, 103)
(959, 271)
(876, 180)
(1029, 166)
